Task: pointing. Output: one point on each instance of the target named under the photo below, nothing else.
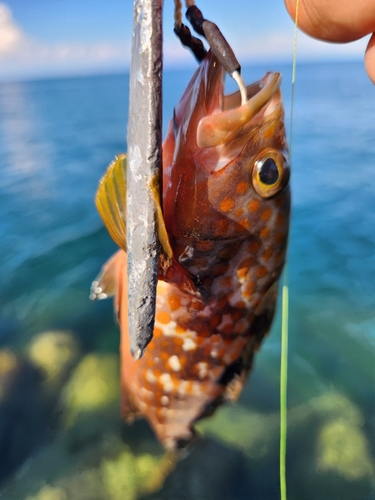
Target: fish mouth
(226, 119)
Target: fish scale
(225, 235)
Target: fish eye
(270, 173)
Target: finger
(334, 20)
(370, 59)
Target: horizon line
(124, 69)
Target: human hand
(338, 21)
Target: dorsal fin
(111, 200)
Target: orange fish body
(226, 204)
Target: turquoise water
(56, 138)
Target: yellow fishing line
(285, 313)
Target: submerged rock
(54, 353)
(343, 449)
(94, 385)
(127, 475)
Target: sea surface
(56, 139)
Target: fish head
(225, 165)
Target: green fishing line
(283, 384)
(285, 314)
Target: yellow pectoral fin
(111, 200)
(111, 204)
(162, 230)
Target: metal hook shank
(144, 156)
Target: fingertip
(291, 8)
(312, 17)
(370, 59)
(339, 21)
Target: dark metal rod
(144, 161)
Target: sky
(44, 38)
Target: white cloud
(70, 52)
(23, 56)
(11, 37)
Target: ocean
(56, 138)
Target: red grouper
(223, 228)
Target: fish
(223, 220)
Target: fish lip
(226, 119)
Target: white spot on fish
(182, 388)
(164, 400)
(150, 377)
(167, 330)
(197, 389)
(214, 353)
(166, 381)
(186, 254)
(174, 363)
(202, 369)
(189, 345)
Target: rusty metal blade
(144, 156)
